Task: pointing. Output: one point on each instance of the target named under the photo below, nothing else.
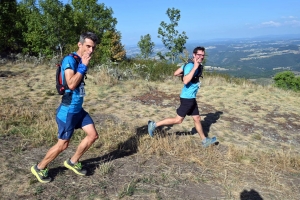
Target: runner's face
(87, 47)
(199, 55)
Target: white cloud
(293, 23)
(289, 22)
(271, 24)
(289, 17)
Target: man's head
(199, 53)
(87, 43)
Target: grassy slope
(258, 128)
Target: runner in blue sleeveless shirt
(188, 103)
(70, 115)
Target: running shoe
(41, 174)
(151, 128)
(77, 167)
(209, 141)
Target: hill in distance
(260, 57)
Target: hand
(86, 58)
(81, 69)
(196, 62)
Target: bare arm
(178, 72)
(187, 78)
(73, 80)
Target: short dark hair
(199, 48)
(89, 35)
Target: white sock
(72, 162)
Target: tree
(93, 17)
(97, 18)
(9, 34)
(35, 33)
(173, 41)
(111, 47)
(59, 24)
(118, 52)
(146, 46)
(45, 27)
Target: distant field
(263, 81)
(248, 58)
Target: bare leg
(198, 126)
(170, 121)
(86, 143)
(53, 152)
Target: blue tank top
(72, 100)
(189, 91)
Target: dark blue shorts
(74, 121)
(188, 107)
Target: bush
(148, 69)
(287, 80)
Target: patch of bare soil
(157, 98)
(130, 176)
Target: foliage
(150, 70)
(185, 57)
(173, 41)
(34, 35)
(287, 80)
(59, 26)
(110, 47)
(8, 14)
(146, 46)
(50, 28)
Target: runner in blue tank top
(188, 103)
(70, 115)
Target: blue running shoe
(209, 141)
(151, 128)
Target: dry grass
(257, 127)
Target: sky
(205, 20)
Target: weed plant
(145, 69)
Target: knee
(197, 118)
(179, 121)
(91, 132)
(62, 146)
(65, 146)
(94, 137)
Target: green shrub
(287, 80)
(151, 70)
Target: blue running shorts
(73, 121)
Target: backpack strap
(188, 61)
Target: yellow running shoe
(41, 174)
(77, 168)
